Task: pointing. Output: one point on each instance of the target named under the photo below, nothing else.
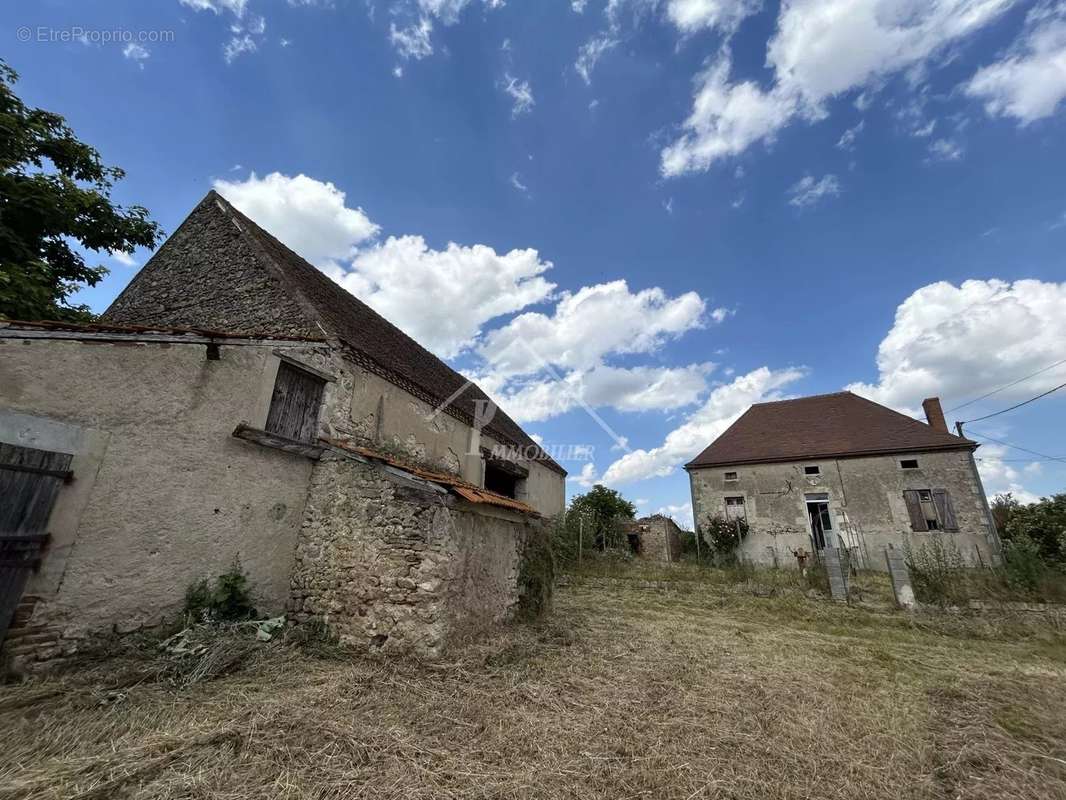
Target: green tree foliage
(1044, 523)
(723, 537)
(601, 509)
(54, 191)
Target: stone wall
(866, 504)
(393, 563)
(660, 538)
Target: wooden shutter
(914, 509)
(29, 483)
(945, 510)
(294, 406)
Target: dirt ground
(629, 690)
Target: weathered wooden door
(29, 483)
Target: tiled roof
(825, 426)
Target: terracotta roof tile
(825, 426)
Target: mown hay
(623, 693)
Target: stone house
(655, 538)
(841, 471)
(236, 403)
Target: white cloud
(847, 139)
(397, 71)
(722, 314)
(591, 52)
(721, 409)
(624, 389)
(958, 342)
(999, 477)
(589, 324)
(587, 478)
(578, 6)
(945, 150)
(125, 259)
(235, 7)
(821, 49)
(136, 52)
(690, 16)
(310, 216)
(521, 94)
(1030, 83)
(516, 182)
(412, 41)
(246, 30)
(807, 191)
(442, 297)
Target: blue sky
(659, 210)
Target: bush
(536, 574)
(228, 601)
(723, 537)
(938, 572)
(1023, 567)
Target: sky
(628, 220)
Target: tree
(1043, 522)
(54, 191)
(600, 507)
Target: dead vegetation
(628, 691)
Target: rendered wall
(163, 494)
(865, 501)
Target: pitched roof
(824, 426)
(321, 306)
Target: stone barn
(235, 403)
(655, 538)
(843, 472)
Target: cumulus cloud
(721, 409)
(958, 342)
(1030, 82)
(538, 364)
(1000, 477)
(587, 478)
(309, 215)
(820, 50)
(807, 191)
(589, 324)
(443, 297)
(690, 16)
(125, 259)
(440, 297)
(624, 389)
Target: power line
(1002, 388)
(1019, 405)
(1016, 447)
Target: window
(734, 508)
(812, 470)
(730, 476)
(295, 404)
(505, 477)
(909, 463)
(930, 510)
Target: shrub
(723, 537)
(536, 574)
(938, 572)
(1023, 567)
(229, 600)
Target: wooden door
(29, 484)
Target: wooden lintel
(264, 439)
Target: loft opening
(295, 404)
(505, 477)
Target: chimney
(934, 414)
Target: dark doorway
(29, 483)
(818, 513)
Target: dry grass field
(628, 691)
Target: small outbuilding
(655, 538)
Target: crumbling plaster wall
(393, 563)
(378, 414)
(163, 494)
(865, 502)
